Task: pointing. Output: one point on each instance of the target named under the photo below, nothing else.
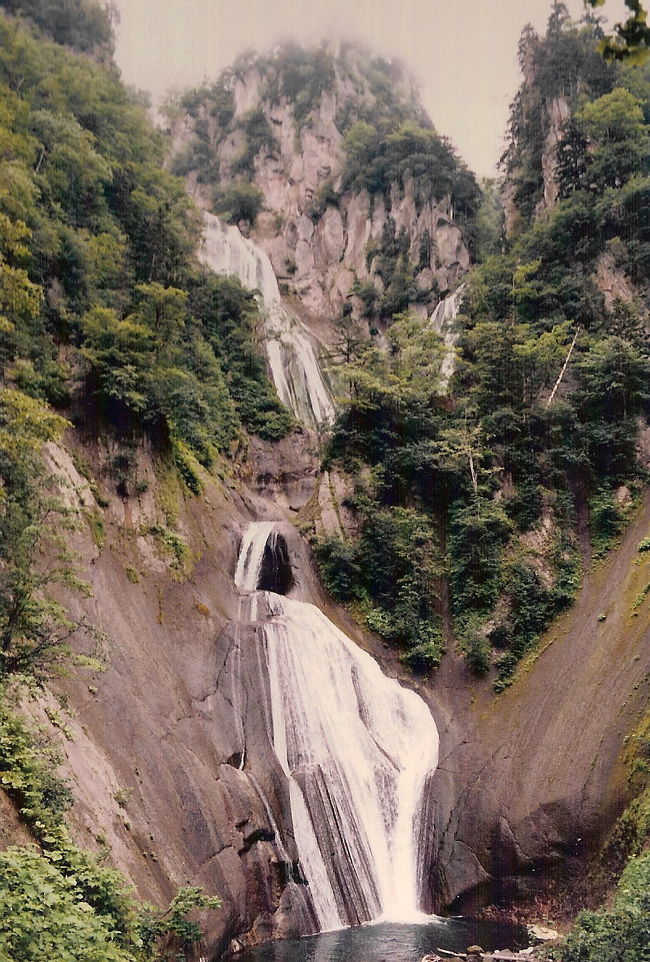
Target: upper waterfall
(292, 351)
(251, 553)
(443, 321)
(356, 747)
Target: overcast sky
(463, 52)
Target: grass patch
(97, 528)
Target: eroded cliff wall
(324, 232)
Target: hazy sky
(463, 52)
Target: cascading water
(443, 320)
(356, 748)
(292, 351)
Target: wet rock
(542, 933)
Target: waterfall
(251, 553)
(443, 320)
(292, 351)
(356, 748)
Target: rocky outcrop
(557, 114)
(613, 283)
(319, 235)
(554, 115)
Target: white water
(272, 822)
(443, 320)
(356, 748)
(251, 553)
(291, 349)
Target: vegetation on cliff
(99, 292)
(537, 429)
(382, 147)
(108, 324)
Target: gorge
(324, 518)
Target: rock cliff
(325, 233)
(168, 749)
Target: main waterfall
(356, 748)
(292, 351)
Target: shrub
(427, 654)
(621, 934)
(45, 916)
(258, 136)
(368, 295)
(476, 647)
(607, 519)
(338, 566)
(239, 201)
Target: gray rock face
(184, 703)
(319, 248)
(529, 783)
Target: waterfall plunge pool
(390, 942)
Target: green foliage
(172, 545)
(35, 630)
(238, 201)
(476, 647)
(302, 77)
(368, 295)
(377, 159)
(326, 196)
(620, 934)
(338, 566)
(615, 126)
(393, 572)
(154, 369)
(27, 772)
(631, 39)
(89, 216)
(63, 901)
(565, 63)
(82, 24)
(259, 136)
(488, 227)
(228, 317)
(175, 923)
(607, 519)
(45, 916)
(478, 532)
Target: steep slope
(543, 776)
(358, 191)
(169, 749)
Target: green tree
(35, 629)
(239, 201)
(164, 311)
(615, 125)
(631, 40)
